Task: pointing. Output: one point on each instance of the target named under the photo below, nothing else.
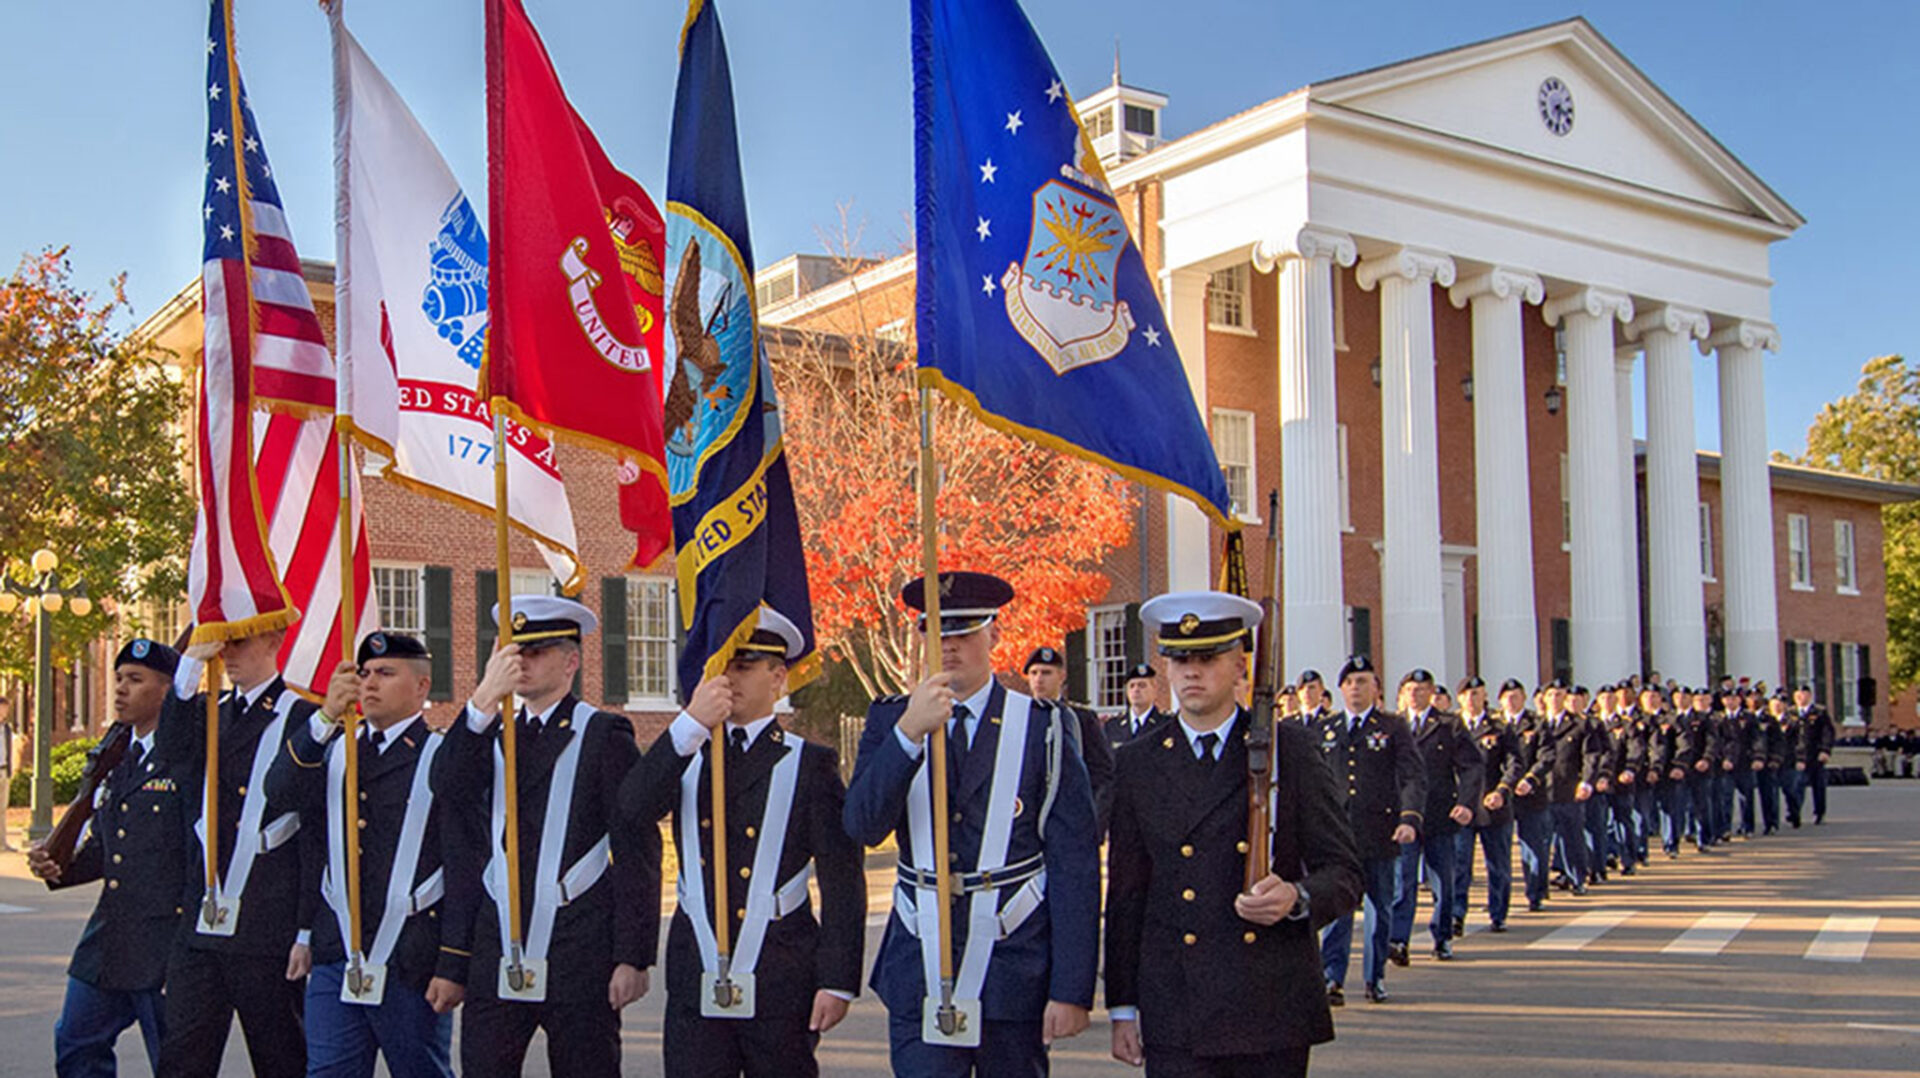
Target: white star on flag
(987, 171)
(221, 185)
(209, 212)
(226, 232)
(219, 138)
(213, 92)
(985, 228)
(210, 46)
(253, 144)
(266, 171)
(1013, 122)
(1054, 91)
(1153, 337)
(986, 285)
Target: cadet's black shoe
(1459, 927)
(1536, 906)
(1376, 993)
(1498, 927)
(1627, 871)
(1336, 996)
(1563, 883)
(1579, 888)
(1442, 951)
(1397, 954)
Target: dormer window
(1142, 121)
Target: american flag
(266, 543)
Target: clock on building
(1556, 106)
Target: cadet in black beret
(1312, 697)
(1143, 712)
(1046, 673)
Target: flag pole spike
(503, 586)
(947, 1017)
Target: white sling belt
(764, 904)
(552, 890)
(366, 981)
(220, 914)
(983, 913)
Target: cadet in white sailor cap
(797, 970)
(591, 922)
(1204, 976)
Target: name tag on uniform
(218, 916)
(364, 984)
(732, 999)
(525, 983)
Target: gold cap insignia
(519, 620)
(1188, 624)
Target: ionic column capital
(1501, 282)
(1410, 263)
(1593, 301)
(1744, 333)
(1682, 322)
(1311, 241)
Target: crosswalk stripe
(1581, 931)
(5, 908)
(1710, 934)
(1842, 939)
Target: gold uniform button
(1186, 851)
(120, 832)
(243, 791)
(1250, 937)
(956, 817)
(1240, 846)
(1190, 939)
(1187, 895)
(706, 823)
(113, 885)
(116, 858)
(745, 872)
(178, 910)
(363, 795)
(123, 807)
(363, 824)
(750, 831)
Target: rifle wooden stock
(1260, 735)
(101, 760)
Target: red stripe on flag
(254, 559)
(276, 456)
(299, 323)
(272, 252)
(319, 523)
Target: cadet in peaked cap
(969, 602)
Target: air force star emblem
(1061, 298)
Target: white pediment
(1624, 127)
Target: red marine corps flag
(574, 278)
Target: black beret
(1557, 683)
(1137, 672)
(1419, 675)
(1308, 677)
(148, 653)
(386, 645)
(1044, 656)
(1358, 664)
(1472, 681)
(1511, 684)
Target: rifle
(101, 760)
(1260, 736)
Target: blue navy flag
(1035, 310)
(733, 514)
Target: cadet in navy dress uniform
(1039, 894)
(1492, 827)
(1816, 743)
(237, 949)
(1382, 785)
(1666, 778)
(1310, 697)
(133, 842)
(1046, 674)
(1532, 812)
(1778, 761)
(1747, 752)
(1456, 780)
(1143, 689)
(1570, 773)
(397, 1000)
(590, 902)
(1697, 749)
(784, 800)
(1793, 772)
(1202, 978)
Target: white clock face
(1556, 106)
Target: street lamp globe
(81, 606)
(45, 561)
(52, 602)
(9, 602)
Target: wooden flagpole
(723, 988)
(350, 801)
(210, 793)
(948, 1017)
(510, 782)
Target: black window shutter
(613, 638)
(1562, 648)
(1077, 665)
(439, 584)
(1869, 689)
(1821, 668)
(483, 631)
(1362, 632)
(1136, 636)
(1793, 672)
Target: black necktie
(529, 727)
(957, 739)
(370, 740)
(1207, 744)
(135, 753)
(737, 742)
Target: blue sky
(100, 144)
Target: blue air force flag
(1035, 310)
(734, 520)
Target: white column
(1189, 553)
(1599, 592)
(1315, 597)
(1503, 508)
(1629, 506)
(1411, 609)
(1746, 501)
(1676, 619)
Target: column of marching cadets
(1203, 974)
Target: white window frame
(1107, 657)
(533, 582)
(1799, 552)
(669, 594)
(1706, 543)
(1802, 661)
(1346, 479)
(1234, 416)
(1566, 503)
(1846, 567)
(1230, 300)
(419, 627)
(1847, 707)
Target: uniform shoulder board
(890, 698)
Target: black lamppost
(42, 598)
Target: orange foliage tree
(1038, 518)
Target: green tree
(1875, 431)
(92, 466)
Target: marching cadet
(1569, 780)
(1646, 772)
(1697, 751)
(784, 798)
(1046, 674)
(1385, 796)
(1311, 697)
(133, 842)
(395, 998)
(1816, 743)
(1205, 978)
(1777, 763)
(1724, 721)
(237, 951)
(1793, 772)
(1626, 734)
(1597, 710)
(1748, 753)
(1532, 812)
(1024, 848)
(1455, 782)
(1143, 690)
(1667, 774)
(1494, 739)
(589, 886)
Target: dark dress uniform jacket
(1746, 741)
(801, 955)
(1054, 954)
(1575, 752)
(1377, 777)
(299, 777)
(1816, 734)
(1696, 738)
(1205, 981)
(1120, 728)
(134, 844)
(1499, 748)
(1097, 755)
(615, 921)
(270, 907)
(1456, 775)
(1535, 760)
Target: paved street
(1794, 955)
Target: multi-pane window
(1706, 541)
(1799, 551)
(1802, 660)
(1099, 123)
(1843, 566)
(1227, 293)
(534, 582)
(1847, 707)
(1107, 657)
(1233, 447)
(1140, 120)
(650, 621)
(399, 598)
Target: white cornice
(839, 291)
(1256, 124)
